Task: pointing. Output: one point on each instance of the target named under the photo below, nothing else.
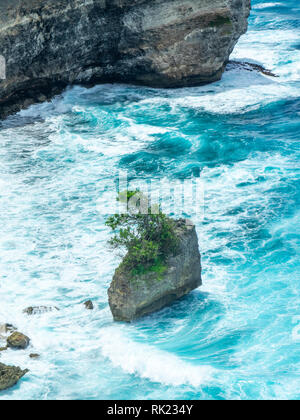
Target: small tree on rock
(145, 232)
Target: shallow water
(235, 337)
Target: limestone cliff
(49, 44)
(131, 297)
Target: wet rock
(38, 310)
(48, 45)
(3, 348)
(89, 305)
(18, 340)
(245, 65)
(133, 297)
(34, 356)
(10, 328)
(10, 375)
(5, 328)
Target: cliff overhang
(50, 44)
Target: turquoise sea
(238, 336)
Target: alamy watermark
(176, 198)
(2, 68)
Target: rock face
(10, 375)
(49, 44)
(133, 297)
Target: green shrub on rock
(144, 231)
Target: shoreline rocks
(48, 45)
(18, 340)
(131, 297)
(89, 305)
(5, 330)
(10, 376)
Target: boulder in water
(34, 356)
(133, 296)
(89, 305)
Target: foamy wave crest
(265, 5)
(151, 363)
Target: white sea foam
(148, 362)
(265, 5)
(243, 92)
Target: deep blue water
(234, 338)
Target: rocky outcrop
(89, 305)
(38, 310)
(5, 330)
(10, 375)
(18, 340)
(131, 297)
(34, 356)
(50, 44)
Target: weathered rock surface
(245, 65)
(50, 44)
(34, 356)
(89, 305)
(18, 340)
(133, 297)
(38, 310)
(10, 375)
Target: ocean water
(237, 337)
